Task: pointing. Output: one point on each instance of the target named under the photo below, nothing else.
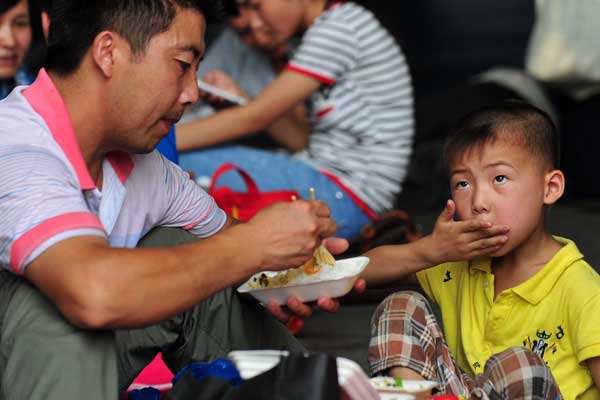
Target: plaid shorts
(404, 333)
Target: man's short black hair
(75, 24)
(515, 120)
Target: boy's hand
(463, 240)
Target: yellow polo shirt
(555, 313)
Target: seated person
(82, 310)
(15, 40)
(361, 111)
(519, 323)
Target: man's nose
(191, 92)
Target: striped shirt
(362, 116)
(47, 194)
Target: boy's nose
(480, 202)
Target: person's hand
(296, 309)
(463, 240)
(223, 81)
(286, 234)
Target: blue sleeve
(168, 148)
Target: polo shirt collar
(539, 285)
(45, 99)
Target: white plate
(352, 379)
(414, 387)
(347, 271)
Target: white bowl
(346, 273)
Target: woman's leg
(278, 171)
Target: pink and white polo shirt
(47, 194)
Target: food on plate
(321, 258)
(387, 382)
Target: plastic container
(324, 284)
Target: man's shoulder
(19, 123)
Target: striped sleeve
(189, 206)
(327, 51)
(41, 204)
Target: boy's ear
(103, 52)
(554, 186)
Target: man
(80, 184)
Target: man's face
(15, 38)
(150, 91)
(500, 182)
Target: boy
(533, 303)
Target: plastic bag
(563, 48)
(297, 376)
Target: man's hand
(463, 240)
(287, 234)
(301, 310)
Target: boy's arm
(450, 241)
(281, 96)
(594, 366)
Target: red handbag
(243, 205)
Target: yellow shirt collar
(539, 285)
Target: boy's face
(151, 91)
(503, 183)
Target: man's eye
(500, 179)
(462, 185)
(184, 65)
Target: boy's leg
(516, 373)
(42, 356)
(404, 333)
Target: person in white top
(82, 310)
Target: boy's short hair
(75, 24)
(515, 120)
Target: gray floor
(346, 333)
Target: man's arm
(287, 91)
(450, 241)
(99, 287)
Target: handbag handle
(250, 184)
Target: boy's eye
(500, 179)
(462, 185)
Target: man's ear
(554, 186)
(103, 52)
